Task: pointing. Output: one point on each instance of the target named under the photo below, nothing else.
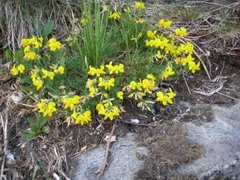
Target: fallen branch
(102, 168)
(210, 93)
(5, 136)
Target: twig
(230, 97)
(183, 114)
(4, 125)
(186, 84)
(212, 92)
(101, 169)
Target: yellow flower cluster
(182, 31)
(46, 107)
(165, 98)
(17, 70)
(35, 42)
(81, 118)
(37, 81)
(37, 76)
(167, 24)
(54, 44)
(108, 110)
(96, 71)
(115, 16)
(115, 69)
(168, 72)
(71, 102)
(106, 81)
(140, 5)
(178, 53)
(139, 89)
(30, 46)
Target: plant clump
(80, 78)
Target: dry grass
(17, 18)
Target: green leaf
(41, 121)
(30, 121)
(46, 129)
(37, 25)
(28, 134)
(48, 28)
(9, 55)
(19, 55)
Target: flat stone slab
(220, 140)
(125, 160)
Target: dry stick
(101, 169)
(212, 92)
(4, 125)
(186, 84)
(230, 97)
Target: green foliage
(83, 78)
(37, 127)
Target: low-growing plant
(62, 90)
(36, 127)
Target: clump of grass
(17, 17)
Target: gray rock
(220, 140)
(125, 160)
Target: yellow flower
(100, 108)
(14, 70)
(92, 91)
(34, 42)
(168, 72)
(48, 74)
(140, 5)
(171, 94)
(133, 85)
(159, 55)
(83, 118)
(182, 31)
(24, 42)
(148, 85)
(187, 60)
(115, 69)
(151, 34)
(194, 67)
(165, 24)
(165, 98)
(187, 48)
(37, 82)
(140, 20)
(115, 16)
(105, 7)
(84, 21)
(71, 102)
(120, 95)
(107, 84)
(111, 114)
(51, 75)
(47, 108)
(60, 70)
(30, 55)
(151, 77)
(98, 72)
(21, 68)
(45, 73)
(54, 45)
